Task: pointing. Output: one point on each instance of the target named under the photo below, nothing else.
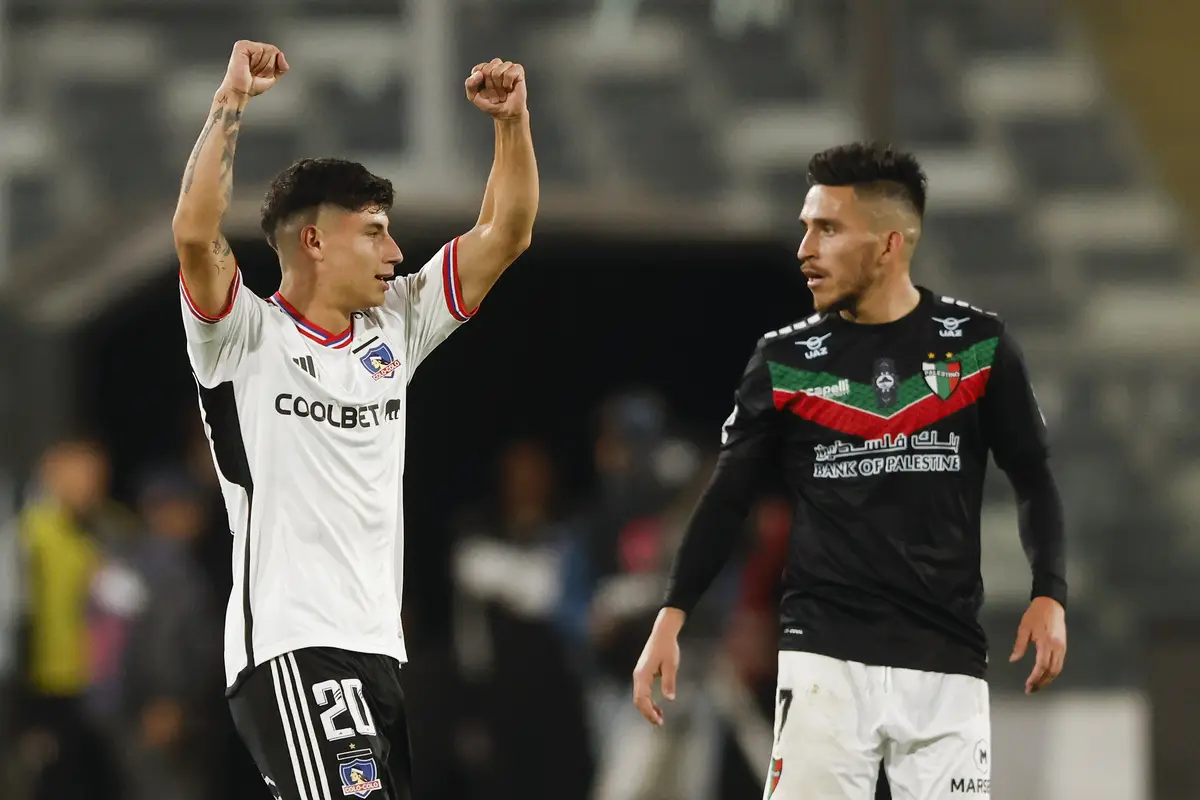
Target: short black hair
(874, 169)
(313, 182)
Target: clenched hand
(254, 67)
(498, 88)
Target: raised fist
(254, 68)
(498, 87)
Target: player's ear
(893, 245)
(312, 241)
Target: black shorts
(327, 724)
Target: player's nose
(393, 255)
(808, 247)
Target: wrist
(669, 621)
(515, 121)
(228, 97)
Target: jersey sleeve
(1013, 425)
(218, 347)
(1015, 431)
(747, 432)
(748, 441)
(431, 303)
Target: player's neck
(885, 302)
(304, 297)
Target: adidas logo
(306, 363)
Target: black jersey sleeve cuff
(1052, 586)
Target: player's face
(361, 257)
(840, 251)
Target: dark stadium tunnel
(572, 321)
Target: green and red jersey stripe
(857, 413)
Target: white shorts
(835, 721)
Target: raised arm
(510, 201)
(205, 257)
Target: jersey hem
(200, 315)
(964, 662)
(364, 646)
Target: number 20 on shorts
(343, 696)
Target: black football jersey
(882, 435)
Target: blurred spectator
(173, 672)
(751, 649)
(648, 481)
(11, 611)
(507, 571)
(63, 533)
(435, 702)
(752, 640)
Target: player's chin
(825, 297)
(377, 294)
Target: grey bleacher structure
(1042, 207)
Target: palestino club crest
(942, 377)
(380, 362)
(359, 777)
(776, 772)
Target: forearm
(711, 534)
(488, 209)
(510, 204)
(510, 201)
(1040, 520)
(208, 180)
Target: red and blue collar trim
(311, 330)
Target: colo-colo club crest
(942, 377)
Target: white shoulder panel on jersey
(795, 327)
(950, 301)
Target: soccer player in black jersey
(880, 411)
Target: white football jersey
(307, 433)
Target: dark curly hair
(312, 182)
(872, 169)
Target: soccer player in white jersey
(303, 399)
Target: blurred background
(563, 434)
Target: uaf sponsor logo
(816, 346)
(951, 327)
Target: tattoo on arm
(231, 121)
(189, 174)
(233, 125)
(221, 249)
